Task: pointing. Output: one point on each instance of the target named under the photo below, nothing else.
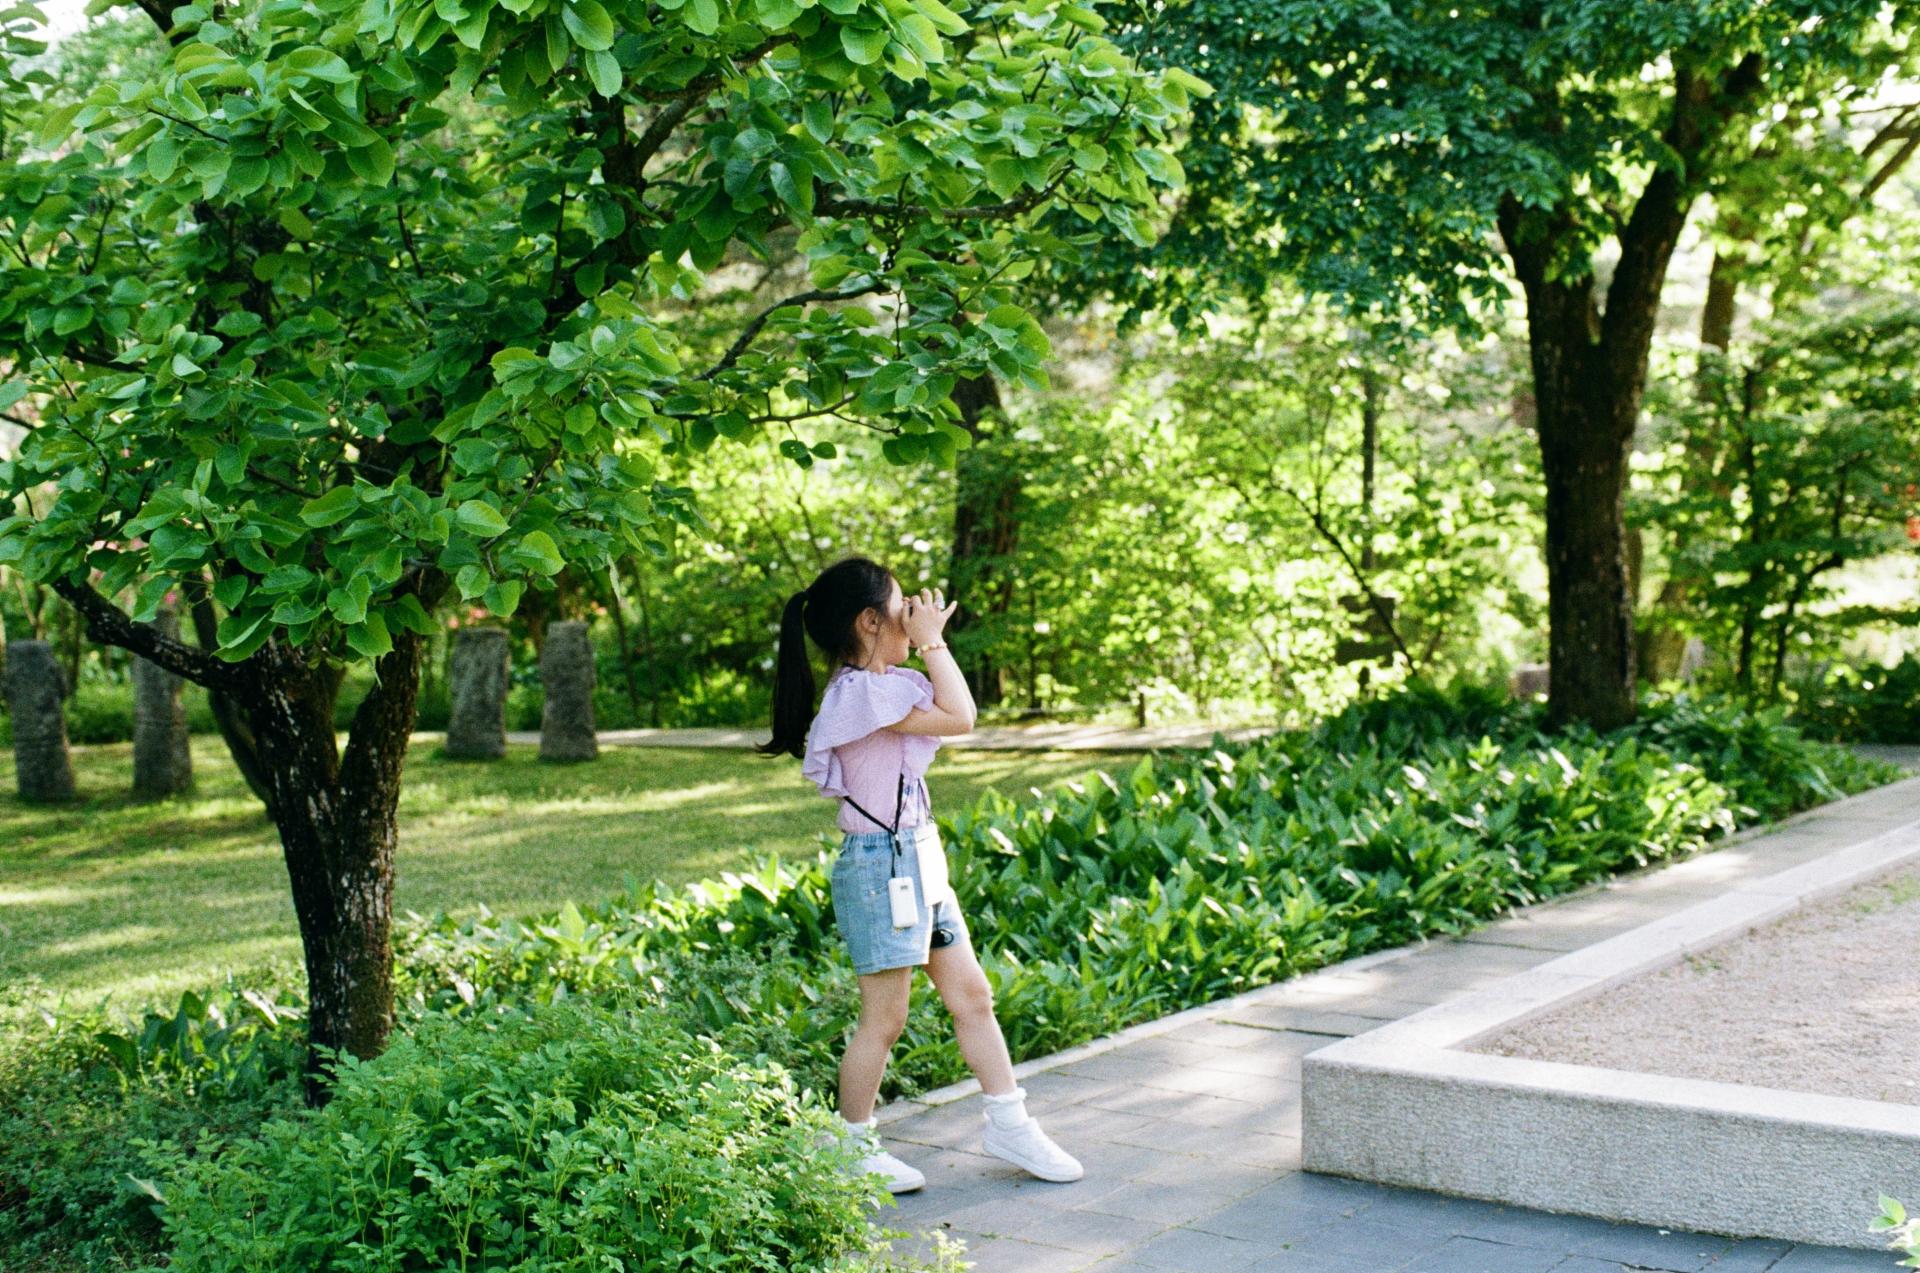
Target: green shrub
(1202, 874)
(77, 1094)
(575, 1137)
(1865, 705)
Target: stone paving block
(1192, 1251)
(1206, 1082)
(1154, 1200)
(951, 1126)
(1217, 1033)
(1226, 1179)
(1173, 1136)
(1752, 1255)
(1385, 1245)
(999, 1217)
(1155, 1102)
(1476, 1255)
(1179, 1052)
(1092, 1232)
(1011, 1255)
(1279, 1150)
(1287, 1211)
(1054, 1088)
(1111, 1162)
(1833, 1259)
(1586, 1264)
(1282, 1042)
(1633, 1244)
(1094, 1121)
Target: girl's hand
(926, 616)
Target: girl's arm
(953, 711)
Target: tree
(353, 308)
(1415, 159)
(1797, 456)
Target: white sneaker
(900, 1177)
(1013, 1135)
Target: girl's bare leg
(883, 1015)
(963, 988)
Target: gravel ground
(1826, 1000)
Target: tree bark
(162, 757)
(986, 531)
(36, 689)
(337, 818)
(1587, 394)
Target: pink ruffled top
(850, 752)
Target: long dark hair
(825, 611)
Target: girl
(869, 745)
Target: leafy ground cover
(1188, 877)
(138, 902)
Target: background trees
(1416, 162)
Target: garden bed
(1415, 1104)
(1821, 1001)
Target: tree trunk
(477, 695)
(986, 530)
(36, 689)
(337, 821)
(162, 757)
(335, 813)
(567, 676)
(1586, 403)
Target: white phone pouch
(906, 912)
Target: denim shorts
(865, 915)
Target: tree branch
(109, 625)
(752, 329)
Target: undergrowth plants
(1192, 876)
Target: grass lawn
(135, 902)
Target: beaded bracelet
(927, 649)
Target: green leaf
(539, 553)
(703, 16)
(604, 71)
(589, 24)
(370, 638)
(56, 126)
(1189, 81)
(185, 367)
(949, 22)
(923, 38)
(864, 48)
(503, 598)
(480, 519)
(372, 162)
(776, 14)
(330, 509)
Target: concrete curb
(1406, 1105)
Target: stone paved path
(1190, 1126)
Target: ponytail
(792, 683)
(826, 612)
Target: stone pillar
(36, 691)
(162, 760)
(566, 672)
(477, 693)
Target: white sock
(1008, 1111)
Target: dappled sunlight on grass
(110, 896)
